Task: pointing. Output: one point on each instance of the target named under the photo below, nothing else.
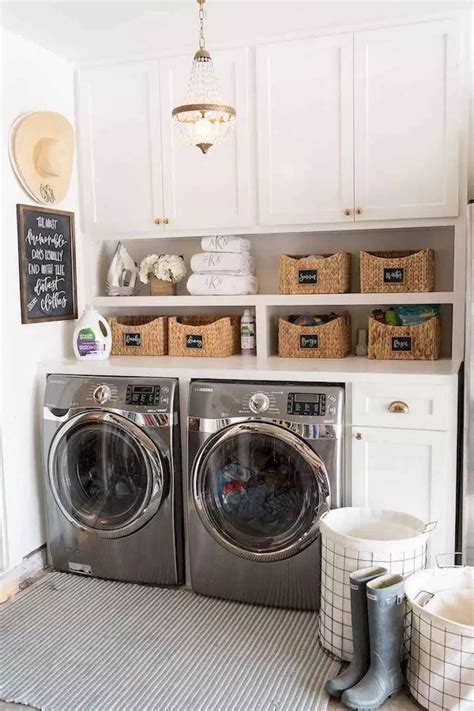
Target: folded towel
(223, 263)
(225, 243)
(221, 284)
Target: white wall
(32, 79)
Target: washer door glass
(105, 473)
(260, 490)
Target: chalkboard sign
(194, 341)
(393, 275)
(309, 341)
(401, 344)
(307, 276)
(47, 264)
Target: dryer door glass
(260, 490)
(105, 474)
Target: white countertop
(349, 369)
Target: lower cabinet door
(410, 471)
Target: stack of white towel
(224, 267)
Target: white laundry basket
(353, 538)
(440, 671)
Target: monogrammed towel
(225, 243)
(221, 285)
(223, 263)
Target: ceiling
(88, 31)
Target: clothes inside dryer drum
(101, 476)
(260, 491)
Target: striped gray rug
(80, 644)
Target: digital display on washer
(308, 404)
(143, 395)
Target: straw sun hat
(41, 153)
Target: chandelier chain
(202, 41)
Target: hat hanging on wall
(41, 153)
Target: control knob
(259, 402)
(102, 394)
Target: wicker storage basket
(395, 272)
(440, 638)
(353, 538)
(420, 342)
(302, 275)
(330, 340)
(204, 336)
(139, 335)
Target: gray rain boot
(360, 633)
(385, 598)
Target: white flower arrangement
(166, 267)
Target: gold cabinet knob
(359, 435)
(166, 221)
(158, 221)
(358, 211)
(347, 211)
(399, 406)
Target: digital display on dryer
(307, 404)
(143, 395)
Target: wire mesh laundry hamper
(440, 638)
(353, 538)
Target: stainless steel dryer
(265, 464)
(113, 477)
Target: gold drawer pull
(358, 211)
(399, 406)
(359, 435)
(347, 212)
(158, 221)
(166, 221)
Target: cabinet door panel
(120, 160)
(409, 471)
(305, 130)
(211, 190)
(406, 121)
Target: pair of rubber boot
(377, 630)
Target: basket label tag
(132, 339)
(309, 341)
(393, 275)
(193, 341)
(401, 343)
(307, 276)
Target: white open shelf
(434, 297)
(260, 368)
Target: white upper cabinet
(406, 121)
(211, 190)
(120, 150)
(305, 130)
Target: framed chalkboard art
(47, 258)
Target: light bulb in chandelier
(204, 120)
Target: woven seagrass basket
(420, 342)
(330, 340)
(139, 335)
(396, 272)
(302, 275)
(204, 336)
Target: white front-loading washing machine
(266, 462)
(113, 477)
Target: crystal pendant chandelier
(203, 119)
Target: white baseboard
(12, 579)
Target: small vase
(158, 287)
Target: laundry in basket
(353, 538)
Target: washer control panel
(259, 402)
(144, 395)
